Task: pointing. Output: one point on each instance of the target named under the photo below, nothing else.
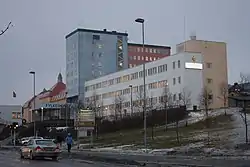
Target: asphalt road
(12, 159)
(165, 160)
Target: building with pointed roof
(50, 101)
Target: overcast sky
(37, 39)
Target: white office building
(179, 75)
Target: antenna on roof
(184, 33)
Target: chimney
(105, 30)
(193, 36)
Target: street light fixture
(34, 99)
(42, 114)
(141, 21)
(131, 98)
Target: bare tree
(186, 99)
(243, 80)
(94, 103)
(4, 30)
(205, 102)
(139, 101)
(167, 101)
(118, 101)
(224, 95)
(151, 109)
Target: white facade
(178, 72)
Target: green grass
(162, 138)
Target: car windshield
(44, 142)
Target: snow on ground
(236, 135)
(194, 117)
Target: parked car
(26, 139)
(40, 148)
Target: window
(140, 74)
(179, 64)
(138, 58)
(146, 58)
(209, 80)
(150, 58)
(179, 80)
(99, 46)
(150, 50)
(134, 57)
(154, 50)
(154, 58)
(162, 68)
(146, 50)
(134, 76)
(154, 70)
(135, 89)
(138, 49)
(173, 64)
(209, 65)
(174, 81)
(179, 96)
(125, 78)
(126, 91)
(96, 37)
(174, 97)
(152, 85)
(210, 97)
(162, 84)
(142, 58)
(130, 65)
(118, 80)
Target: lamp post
(14, 134)
(34, 100)
(131, 98)
(141, 21)
(42, 114)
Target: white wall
(191, 79)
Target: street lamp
(141, 21)
(42, 114)
(34, 99)
(14, 134)
(131, 98)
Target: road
(166, 160)
(11, 159)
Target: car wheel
(31, 156)
(54, 158)
(21, 155)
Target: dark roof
(96, 31)
(147, 45)
(240, 98)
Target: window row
(150, 50)
(136, 89)
(128, 77)
(140, 101)
(143, 58)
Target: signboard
(86, 119)
(197, 66)
(52, 105)
(59, 97)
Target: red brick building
(137, 56)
